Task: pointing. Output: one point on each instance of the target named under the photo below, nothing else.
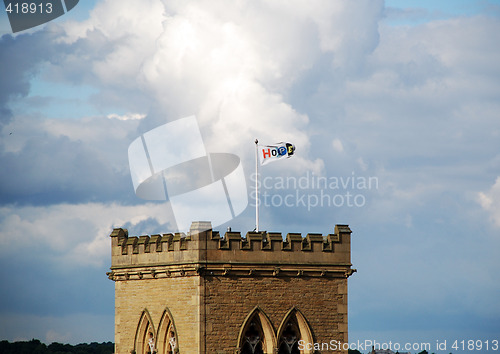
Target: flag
(270, 153)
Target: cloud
(414, 106)
(55, 259)
(419, 116)
(50, 161)
(337, 145)
(73, 234)
(241, 86)
(20, 60)
(132, 116)
(490, 201)
(219, 60)
(402, 98)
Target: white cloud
(72, 234)
(337, 145)
(490, 201)
(219, 67)
(220, 61)
(130, 116)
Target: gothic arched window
(294, 328)
(253, 339)
(144, 335)
(167, 337)
(256, 335)
(289, 339)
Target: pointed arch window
(144, 336)
(167, 335)
(294, 328)
(289, 340)
(256, 335)
(253, 339)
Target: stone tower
(212, 293)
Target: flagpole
(256, 185)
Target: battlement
(204, 250)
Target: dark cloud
(49, 170)
(20, 60)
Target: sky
(395, 104)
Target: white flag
(269, 153)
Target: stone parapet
(205, 251)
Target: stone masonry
(208, 293)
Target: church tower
(226, 294)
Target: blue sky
(404, 92)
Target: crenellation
(171, 240)
(327, 244)
(273, 241)
(182, 241)
(129, 245)
(293, 237)
(313, 242)
(163, 242)
(255, 236)
(253, 241)
(314, 238)
(215, 235)
(342, 229)
(231, 249)
(333, 238)
(291, 242)
(119, 234)
(230, 240)
(274, 237)
(143, 244)
(154, 243)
